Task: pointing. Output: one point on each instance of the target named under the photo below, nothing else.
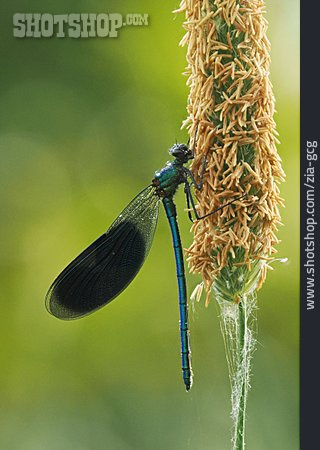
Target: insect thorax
(168, 179)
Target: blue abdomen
(170, 209)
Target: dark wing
(109, 264)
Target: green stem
(237, 322)
(243, 364)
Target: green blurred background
(84, 124)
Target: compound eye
(175, 150)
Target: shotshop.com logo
(84, 25)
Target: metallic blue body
(167, 181)
(109, 264)
(170, 209)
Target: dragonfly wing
(109, 264)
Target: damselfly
(102, 271)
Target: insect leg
(188, 193)
(197, 185)
(221, 207)
(190, 199)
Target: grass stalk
(239, 431)
(231, 105)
